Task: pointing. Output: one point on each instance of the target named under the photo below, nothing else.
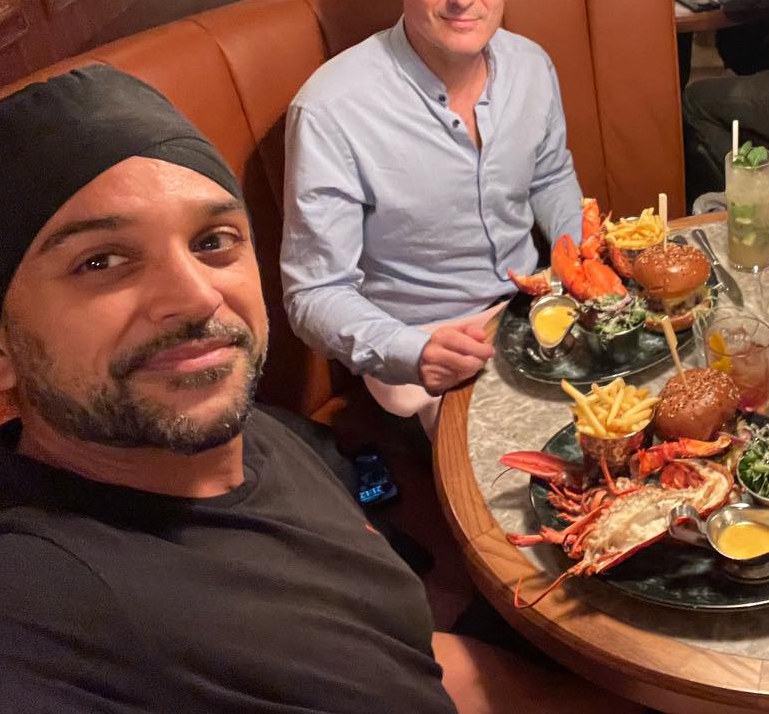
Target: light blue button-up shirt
(393, 218)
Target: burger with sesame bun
(674, 283)
(695, 405)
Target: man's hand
(452, 355)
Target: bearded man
(163, 547)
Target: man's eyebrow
(112, 223)
(103, 223)
(217, 209)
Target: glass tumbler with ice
(738, 344)
(747, 198)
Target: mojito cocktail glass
(747, 199)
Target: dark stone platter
(578, 365)
(665, 573)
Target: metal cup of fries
(634, 234)
(612, 421)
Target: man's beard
(113, 415)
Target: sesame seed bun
(675, 271)
(673, 282)
(696, 408)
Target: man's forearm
(341, 323)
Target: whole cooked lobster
(611, 521)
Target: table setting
(607, 474)
(512, 411)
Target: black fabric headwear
(57, 136)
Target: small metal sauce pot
(551, 350)
(685, 524)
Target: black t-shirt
(275, 597)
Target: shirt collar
(411, 63)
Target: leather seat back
(562, 29)
(635, 60)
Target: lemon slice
(717, 344)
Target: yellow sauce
(551, 323)
(744, 540)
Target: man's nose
(182, 287)
(459, 5)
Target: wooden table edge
(561, 627)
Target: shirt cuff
(401, 365)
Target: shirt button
(442, 98)
(455, 123)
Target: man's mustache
(237, 335)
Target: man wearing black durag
(163, 547)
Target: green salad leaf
(611, 314)
(753, 467)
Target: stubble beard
(113, 414)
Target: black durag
(59, 135)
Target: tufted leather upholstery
(234, 70)
(639, 102)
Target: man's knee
(482, 679)
(699, 100)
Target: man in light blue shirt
(417, 163)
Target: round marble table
(674, 660)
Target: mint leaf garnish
(751, 157)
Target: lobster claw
(540, 464)
(593, 235)
(591, 219)
(583, 278)
(647, 461)
(620, 262)
(694, 447)
(537, 284)
(603, 280)
(551, 469)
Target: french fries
(635, 233)
(614, 410)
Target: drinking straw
(663, 212)
(735, 139)
(670, 336)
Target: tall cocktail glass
(747, 199)
(738, 344)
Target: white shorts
(405, 400)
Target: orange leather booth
(234, 70)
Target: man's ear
(8, 376)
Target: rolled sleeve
(403, 355)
